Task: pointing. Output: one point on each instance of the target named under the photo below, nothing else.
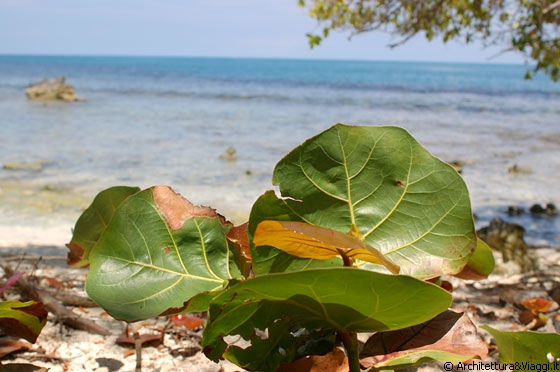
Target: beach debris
(65, 316)
(47, 90)
(148, 339)
(35, 166)
(507, 238)
(230, 154)
(8, 346)
(191, 322)
(518, 170)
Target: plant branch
(350, 342)
(64, 315)
(551, 7)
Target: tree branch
(64, 315)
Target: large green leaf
(22, 319)
(527, 351)
(381, 185)
(342, 299)
(157, 253)
(93, 222)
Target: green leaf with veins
(340, 299)
(378, 184)
(158, 252)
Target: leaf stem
(347, 261)
(350, 342)
(138, 348)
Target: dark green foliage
(529, 27)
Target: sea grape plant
(365, 221)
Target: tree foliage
(529, 27)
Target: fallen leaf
(128, 353)
(526, 316)
(8, 346)
(335, 361)
(191, 322)
(449, 335)
(55, 283)
(22, 367)
(145, 338)
(185, 352)
(537, 305)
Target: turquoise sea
(152, 120)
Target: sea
(146, 121)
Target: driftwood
(61, 313)
(52, 90)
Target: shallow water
(149, 121)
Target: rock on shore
(47, 90)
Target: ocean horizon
(166, 120)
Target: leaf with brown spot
(449, 337)
(157, 253)
(176, 209)
(307, 241)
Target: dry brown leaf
(537, 305)
(239, 236)
(22, 367)
(8, 346)
(450, 332)
(335, 361)
(191, 322)
(145, 338)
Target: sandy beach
(62, 348)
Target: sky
(203, 28)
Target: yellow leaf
(303, 240)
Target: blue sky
(226, 28)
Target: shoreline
(44, 215)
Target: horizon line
(70, 55)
